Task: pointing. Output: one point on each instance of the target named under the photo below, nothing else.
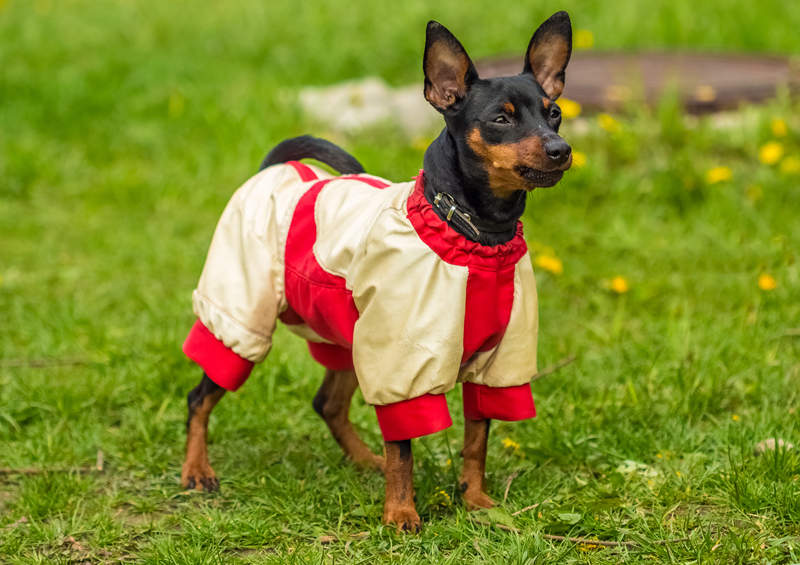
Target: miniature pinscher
(401, 289)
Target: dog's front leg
(473, 478)
(399, 507)
(196, 472)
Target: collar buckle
(451, 209)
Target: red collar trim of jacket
(453, 247)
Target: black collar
(461, 221)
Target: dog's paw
(476, 499)
(199, 477)
(404, 517)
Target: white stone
(770, 444)
(352, 106)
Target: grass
(125, 127)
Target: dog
(402, 289)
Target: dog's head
(508, 126)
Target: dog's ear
(448, 70)
(549, 52)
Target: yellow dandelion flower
(550, 263)
(735, 417)
(583, 39)
(790, 165)
(679, 474)
(509, 443)
(608, 123)
(718, 174)
(770, 153)
(569, 108)
(659, 456)
(578, 159)
(586, 547)
(778, 127)
(442, 498)
(619, 285)
(767, 282)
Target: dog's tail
(307, 147)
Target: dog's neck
(454, 171)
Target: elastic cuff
(498, 403)
(412, 418)
(333, 357)
(220, 363)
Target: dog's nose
(558, 150)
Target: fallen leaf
(497, 515)
(570, 517)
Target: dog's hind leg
(473, 478)
(332, 402)
(197, 473)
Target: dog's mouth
(539, 178)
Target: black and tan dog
(401, 289)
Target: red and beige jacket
(375, 281)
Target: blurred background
(667, 263)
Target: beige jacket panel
(345, 213)
(240, 292)
(403, 345)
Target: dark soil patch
(705, 82)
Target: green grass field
(124, 128)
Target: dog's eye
(555, 112)
(501, 120)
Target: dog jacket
(373, 279)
